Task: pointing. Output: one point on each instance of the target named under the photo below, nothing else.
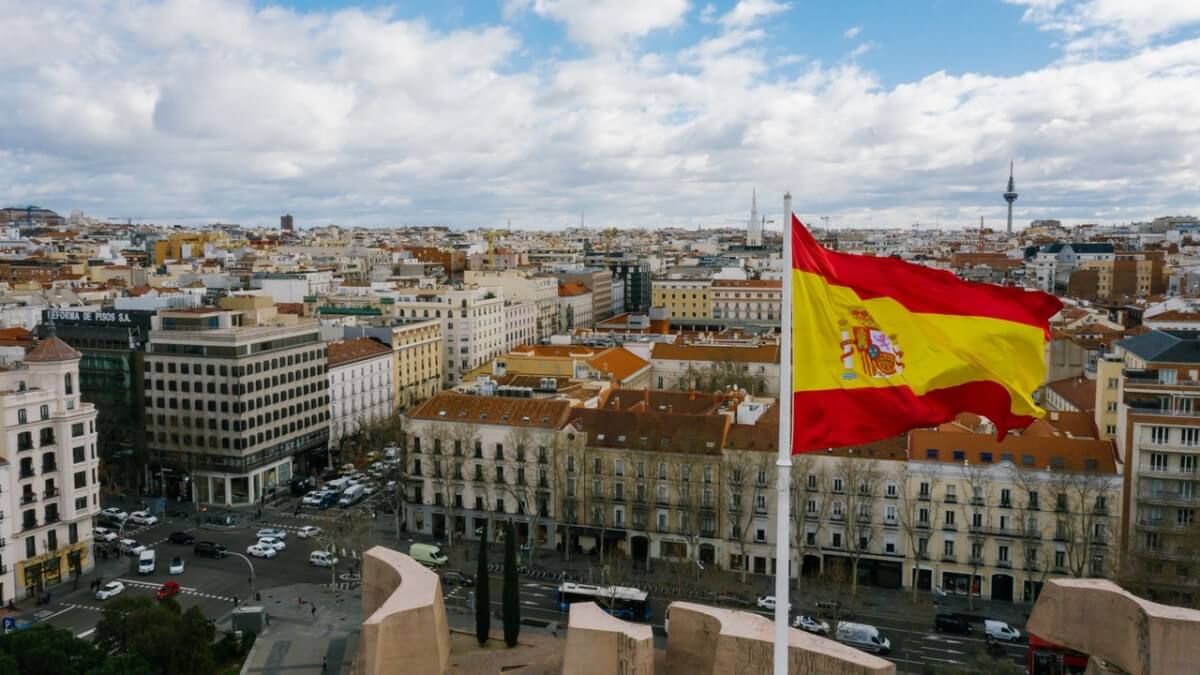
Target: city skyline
(478, 114)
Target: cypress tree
(510, 598)
(483, 600)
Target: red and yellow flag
(881, 346)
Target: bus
(1047, 658)
(620, 601)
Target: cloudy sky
(634, 112)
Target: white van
(351, 496)
(427, 554)
(863, 636)
(337, 484)
(1001, 631)
(322, 559)
(146, 562)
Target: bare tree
(568, 466)
(1083, 515)
(740, 469)
(690, 503)
(1036, 550)
(862, 476)
(445, 473)
(809, 507)
(915, 509)
(346, 534)
(975, 480)
(721, 375)
(636, 466)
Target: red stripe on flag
(918, 288)
(834, 418)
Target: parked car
(181, 538)
(458, 578)
(328, 473)
(735, 599)
(146, 561)
(168, 590)
(322, 559)
(313, 498)
(114, 513)
(1000, 630)
(271, 532)
(176, 566)
(370, 489)
(308, 531)
(811, 625)
(130, 547)
(260, 551)
(272, 542)
(949, 623)
(208, 549)
(329, 499)
(109, 590)
(143, 518)
(103, 534)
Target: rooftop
(716, 353)
(350, 351)
(494, 410)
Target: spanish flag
(881, 346)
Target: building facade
(50, 471)
(417, 356)
(361, 391)
(753, 300)
(524, 286)
(473, 324)
(236, 402)
(684, 298)
(574, 307)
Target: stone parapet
(1103, 620)
(404, 627)
(600, 644)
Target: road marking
(86, 633)
(62, 611)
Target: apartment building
(236, 400)
(751, 300)
(520, 323)
(48, 477)
(684, 298)
(600, 281)
(525, 286)
(687, 366)
(473, 323)
(416, 355)
(361, 391)
(475, 462)
(574, 307)
(1158, 430)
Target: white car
(114, 513)
(271, 532)
(260, 551)
(143, 518)
(1001, 631)
(176, 566)
(313, 498)
(272, 542)
(109, 590)
(308, 531)
(370, 489)
(811, 625)
(322, 559)
(130, 547)
(103, 534)
(767, 602)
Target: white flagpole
(783, 465)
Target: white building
(473, 323)
(290, 287)
(48, 482)
(518, 285)
(574, 306)
(520, 324)
(360, 386)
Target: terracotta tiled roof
(349, 351)
(16, 336)
(556, 351)
(659, 432)
(571, 289)
(494, 410)
(618, 362)
(51, 349)
(757, 354)
(1063, 440)
(290, 308)
(1078, 391)
(662, 400)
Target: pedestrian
(324, 663)
(235, 601)
(314, 610)
(300, 600)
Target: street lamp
(253, 591)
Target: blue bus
(622, 602)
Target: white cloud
(1095, 25)
(852, 32)
(748, 12)
(214, 110)
(605, 23)
(861, 50)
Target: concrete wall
(706, 640)
(404, 626)
(599, 644)
(1101, 619)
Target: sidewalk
(297, 639)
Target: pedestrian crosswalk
(137, 583)
(342, 585)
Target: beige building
(48, 481)
(754, 300)
(524, 285)
(237, 400)
(684, 298)
(416, 356)
(472, 319)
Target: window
(68, 385)
(812, 481)
(890, 490)
(1160, 435)
(1184, 516)
(1112, 406)
(73, 533)
(77, 454)
(949, 518)
(77, 429)
(889, 515)
(80, 479)
(1006, 498)
(837, 485)
(1110, 429)
(948, 548)
(708, 474)
(1158, 461)
(923, 516)
(923, 492)
(618, 467)
(1187, 463)
(22, 417)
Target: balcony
(949, 558)
(1101, 540)
(24, 446)
(890, 522)
(1032, 566)
(662, 501)
(923, 497)
(977, 501)
(28, 524)
(837, 517)
(478, 478)
(861, 518)
(51, 493)
(28, 498)
(543, 458)
(52, 518)
(49, 466)
(27, 472)
(951, 499)
(520, 457)
(923, 525)
(949, 527)
(975, 560)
